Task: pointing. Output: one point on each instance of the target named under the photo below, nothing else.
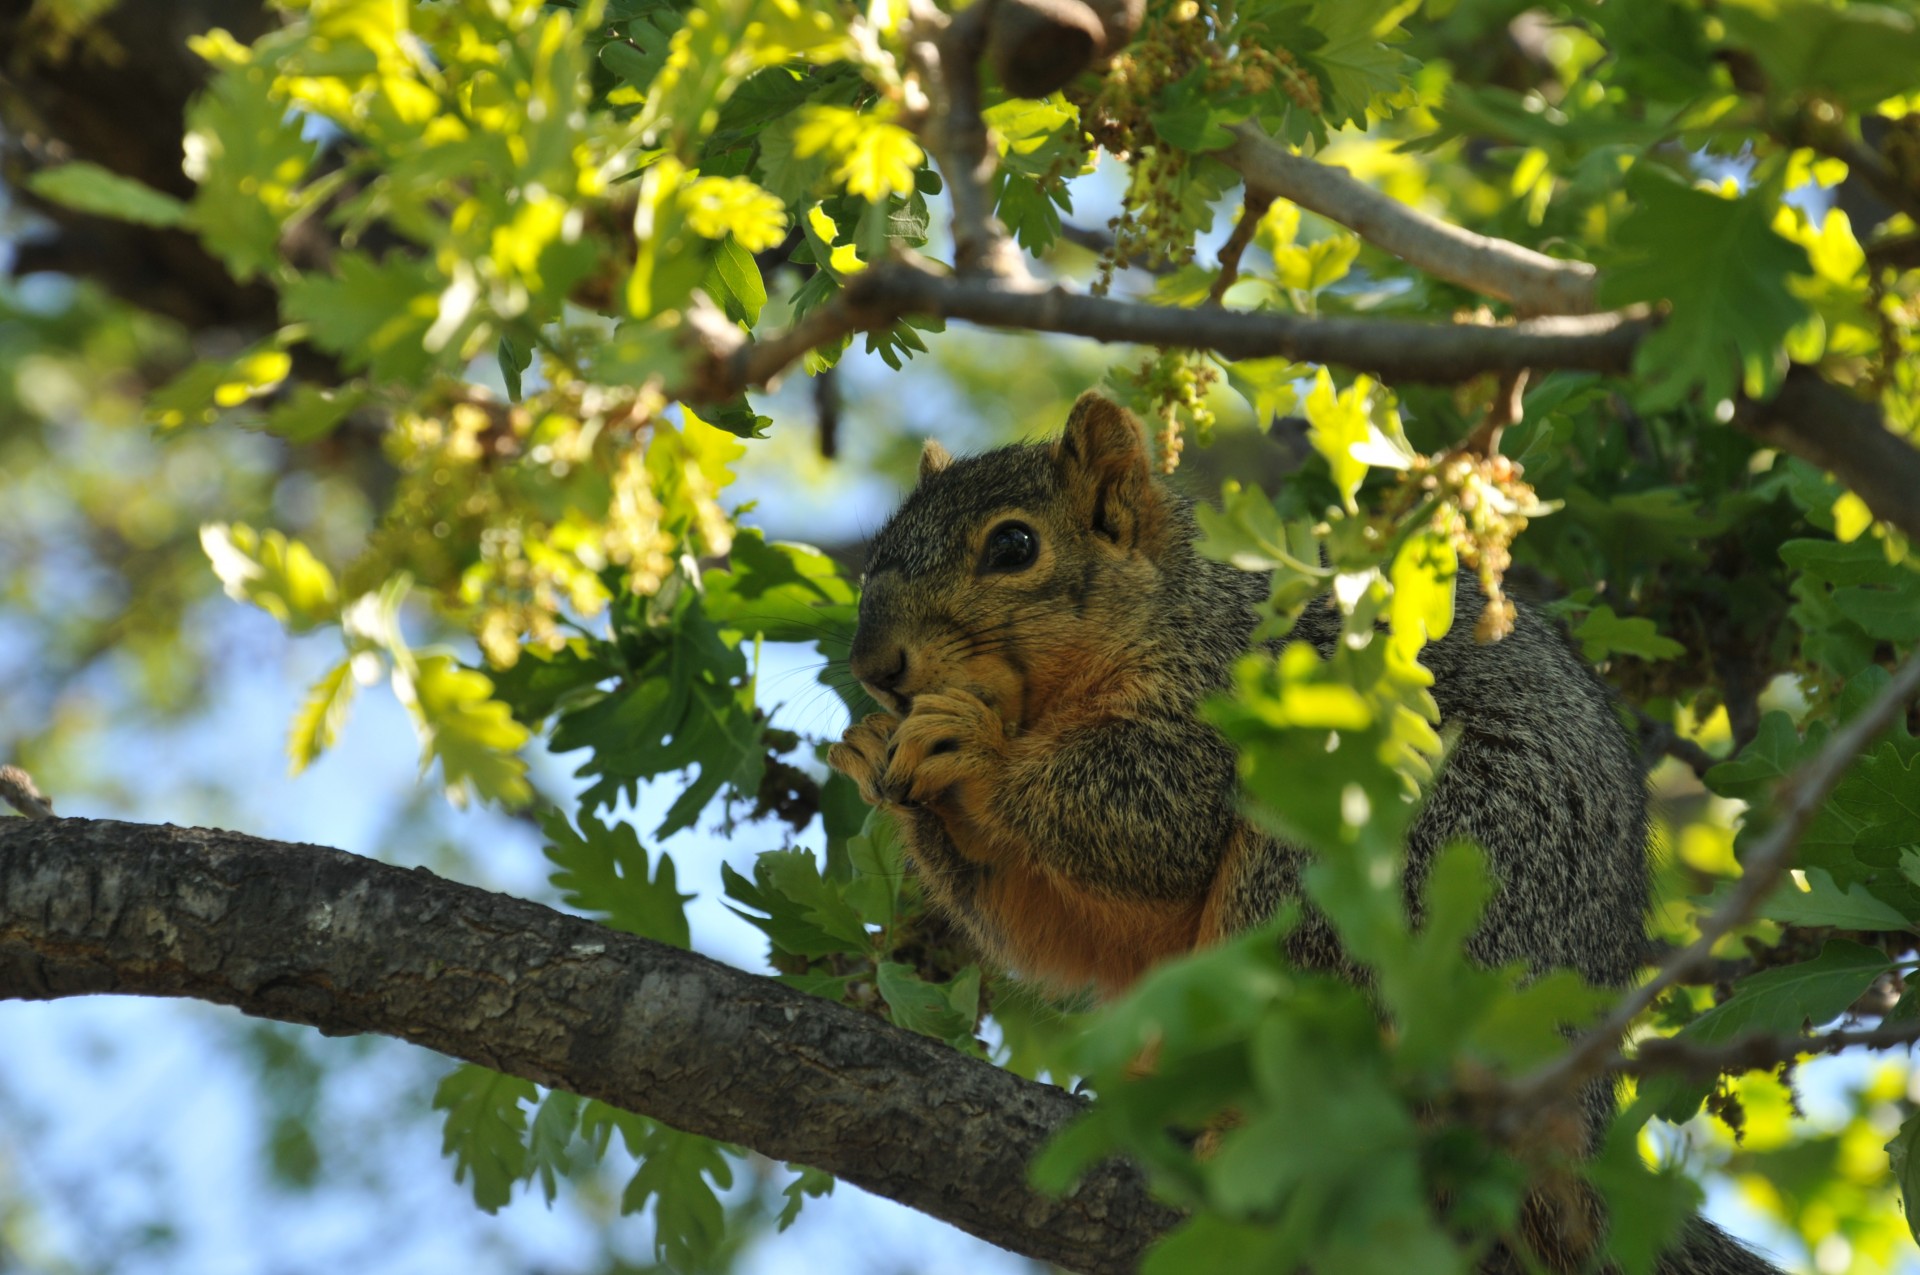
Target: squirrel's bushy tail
(1705, 1249)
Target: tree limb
(310, 935)
(1534, 282)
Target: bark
(305, 934)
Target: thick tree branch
(1534, 282)
(309, 935)
(1800, 799)
(1828, 427)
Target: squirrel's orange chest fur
(1060, 932)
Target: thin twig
(1801, 798)
(1534, 282)
(18, 790)
(1670, 1055)
(1230, 252)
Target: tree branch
(947, 51)
(1828, 427)
(309, 935)
(1800, 798)
(1670, 1055)
(1534, 282)
(1394, 349)
(1256, 206)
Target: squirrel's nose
(883, 670)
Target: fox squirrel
(1041, 627)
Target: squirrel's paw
(861, 754)
(949, 737)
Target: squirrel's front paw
(950, 737)
(861, 754)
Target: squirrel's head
(1020, 575)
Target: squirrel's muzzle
(878, 658)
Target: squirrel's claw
(950, 737)
(863, 753)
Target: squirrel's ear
(933, 458)
(1102, 463)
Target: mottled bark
(310, 935)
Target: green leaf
(550, 1139)
(603, 869)
(515, 357)
(1359, 70)
(679, 1172)
(311, 412)
(89, 188)
(541, 682)
(470, 733)
(245, 149)
(1775, 1002)
(946, 1012)
(316, 727)
(485, 1130)
(1821, 902)
(1646, 1208)
(199, 394)
(734, 282)
(1602, 633)
(1724, 271)
(1854, 55)
(1268, 385)
(372, 314)
(277, 574)
(1906, 1170)
(1311, 267)
(1189, 117)
(807, 1184)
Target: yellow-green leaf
(275, 573)
(472, 734)
(316, 727)
(89, 188)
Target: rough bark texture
(310, 935)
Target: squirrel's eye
(1011, 546)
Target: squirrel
(1041, 629)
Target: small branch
(18, 790)
(1830, 428)
(1505, 411)
(1669, 1055)
(1230, 252)
(1900, 253)
(304, 934)
(947, 52)
(1801, 797)
(1534, 282)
